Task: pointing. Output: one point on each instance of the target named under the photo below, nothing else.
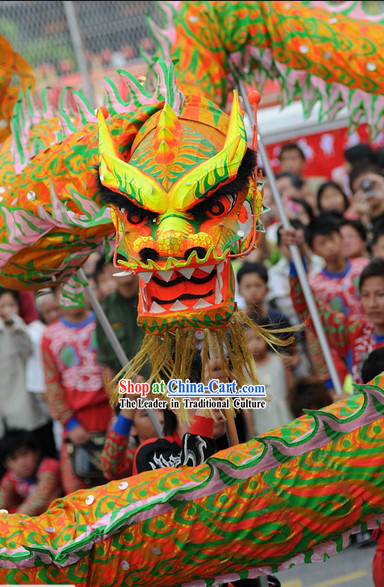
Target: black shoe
(272, 582)
(364, 539)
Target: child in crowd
(18, 408)
(290, 185)
(103, 278)
(354, 235)
(131, 428)
(31, 483)
(351, 337)
(292, 160)
(75, 392)
(309, 393)
(252, 279)
(253, 287)
(355, 155)
(303, 211)
(330, 197)
(277, 379)
(48, 306)
(278, 277)
(336, 284)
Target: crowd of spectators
(58, 432)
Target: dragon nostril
(200, 252)
(146, 254)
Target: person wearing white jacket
(18, 408)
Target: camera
(367, 186)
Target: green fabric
(122, 315)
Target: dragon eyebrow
(108, 197)
(235, 186)
(244, 172)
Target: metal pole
(296, 257)
(75, 32)
(115, 343)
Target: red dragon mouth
(183, 290)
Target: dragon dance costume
(182, 198)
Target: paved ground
(351, 568)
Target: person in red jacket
(75, 391)
(352, 337)
(337, 284)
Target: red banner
(324, 151)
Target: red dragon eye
(135, 217)
(220, 206)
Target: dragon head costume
(174, 169)
(185, 199)
(181, 185)
(177, 177)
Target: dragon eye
(135, 215)
(220, 205)
(216, 208)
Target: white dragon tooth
(218, 294)
(187, 272)
(122, 273)
(201, 304)
(145, 275)
(166, 275)
(207, 268)
(177, 306)
(219, 281)
(156, 308)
